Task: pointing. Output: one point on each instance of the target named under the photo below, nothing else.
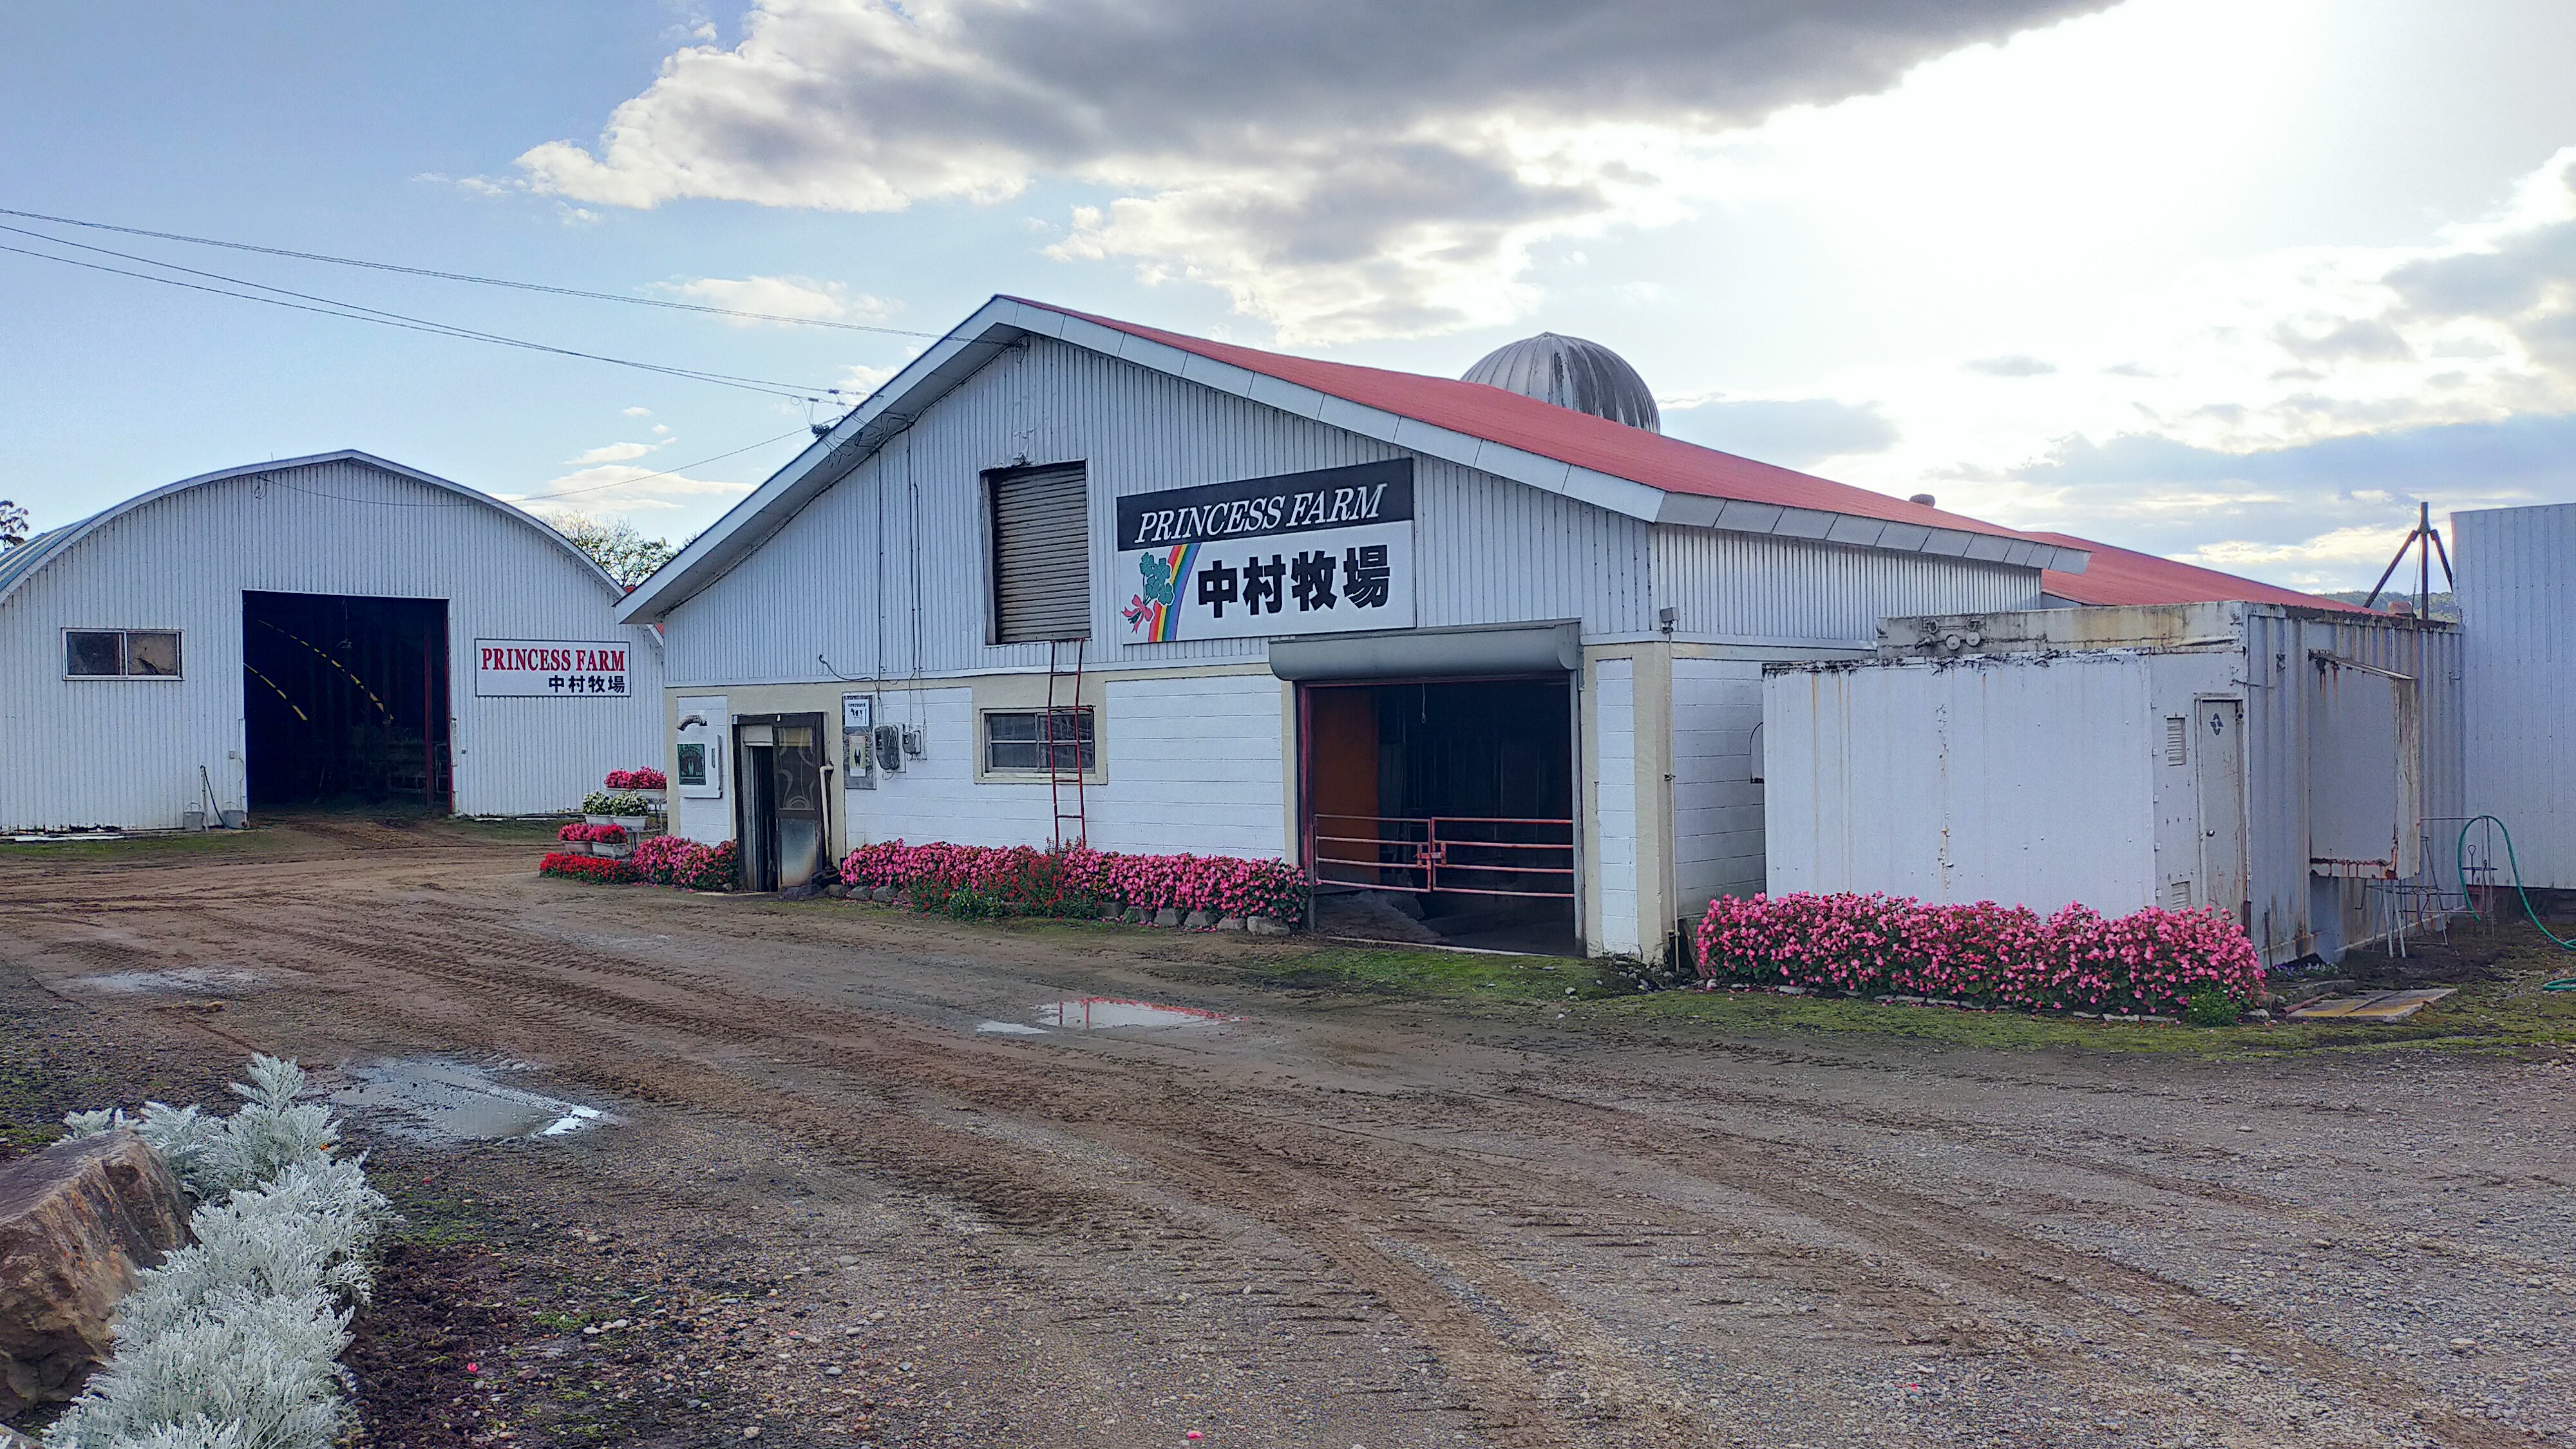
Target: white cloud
(616, 452)
(797, 297)
(1340, 168)
(639, 412)
(623, 488)
(2134, 419)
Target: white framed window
(120, 654)
(1015, 741)
(1041, 552)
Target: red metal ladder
(1058, 775)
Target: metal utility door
(782, 760)
(2218, 778)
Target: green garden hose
(2460, 862)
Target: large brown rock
(76, 1222)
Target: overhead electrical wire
(538, 497)
(468, 277)
(332, 307)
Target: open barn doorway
(1441, 811)
(345, 700)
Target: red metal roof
(2125, 576)
(1563, 434)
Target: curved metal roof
(1571, 373)
(20, 563)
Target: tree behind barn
(627, 555)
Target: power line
(533, 497)
(466, 277)
(331, 307)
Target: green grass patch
(177, 845)
(1451, 975)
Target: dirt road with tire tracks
(1308, 1220)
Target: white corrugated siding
(2295, 912)
(1192, 764)
(126, 752)
(1717, 809)
(886, 574)
(2517, 593)
(1758, 587)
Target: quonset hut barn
(1066, 577)
(331, 628)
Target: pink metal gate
(1460, 854)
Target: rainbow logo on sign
(1155, 612)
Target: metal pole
(2423, 561)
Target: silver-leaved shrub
(233, 1341)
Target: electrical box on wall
(889, 748)
(858, 742)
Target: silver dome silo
(1571, 373)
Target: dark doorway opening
(345, 700)
(1442, 811)
(779, 760)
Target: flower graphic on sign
(1153, 612)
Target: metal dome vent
(1571, 373)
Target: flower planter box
(654, 796)
(634, 824)
(612, 850)
(599, 820)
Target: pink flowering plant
(2154, 961)
(578, 833)
(671, 860)
(646, 778)
(1074, 880)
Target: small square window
(154, 653)
(93, 653)
(1015, 741)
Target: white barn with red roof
(1467, 655)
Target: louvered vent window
(1041, 555)
(2177, 732)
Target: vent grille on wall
(1041, 555)
(2177, 739)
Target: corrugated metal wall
(1760, 588)
(126, 752)
(886, 574)
(2295, 912)
(2517, 593)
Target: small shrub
(231, 1342)
(2211, 1007)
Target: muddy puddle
(1104, 1013)
(433, 1099)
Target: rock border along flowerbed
(1077, 882)
(233, 1342)
(2150, 962)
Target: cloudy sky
(2230, 280)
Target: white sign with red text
(552, 667)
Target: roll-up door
(1041, 555)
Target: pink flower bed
(647, 778)
(2150, 961)
(672, 860)
(578, 832)
(1221, 885)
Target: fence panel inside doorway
(1451, 854)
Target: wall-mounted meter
(858, 742)
(889, 748)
